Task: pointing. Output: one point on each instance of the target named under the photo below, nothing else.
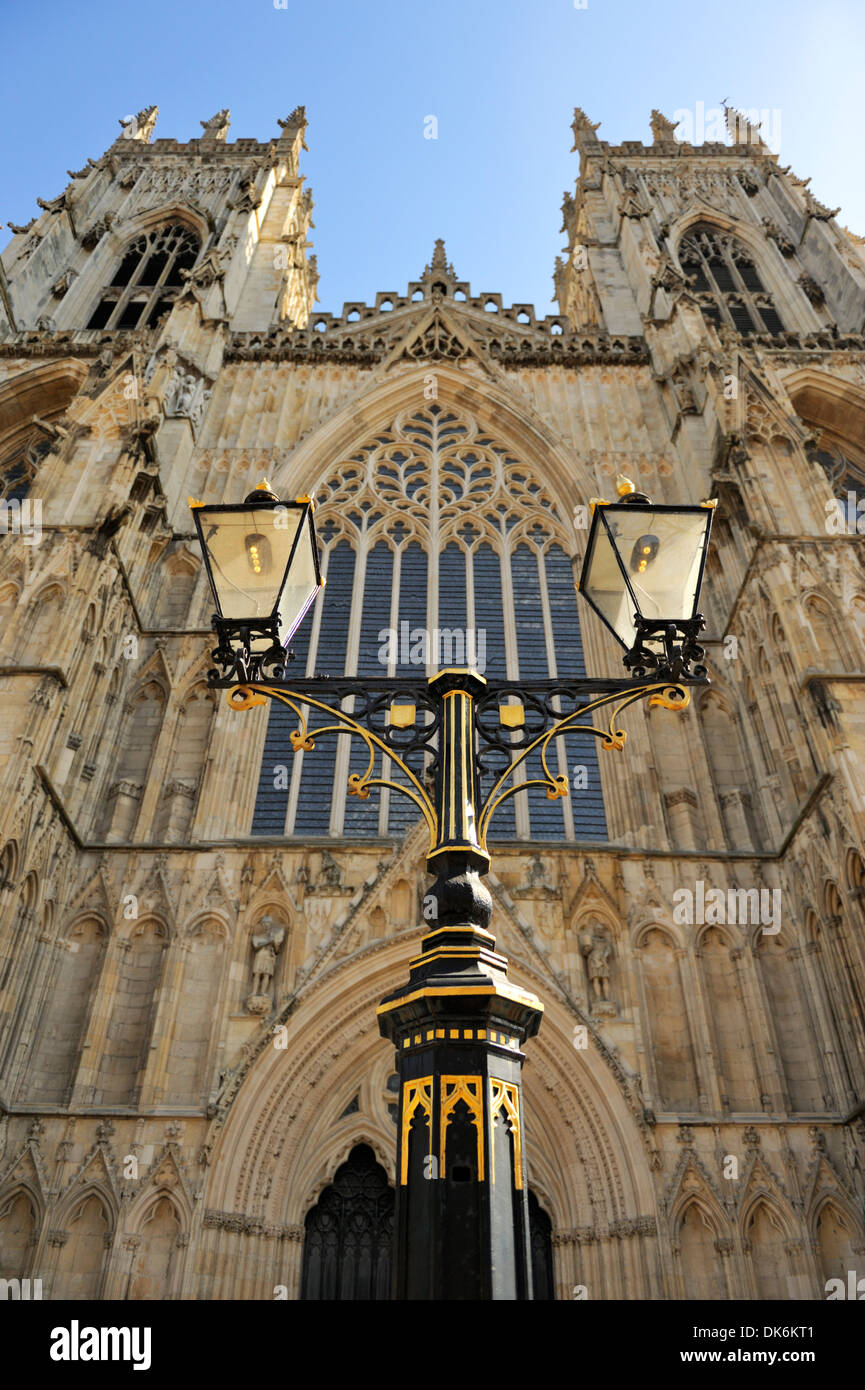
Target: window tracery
(726, 282)
(439, 548)
(148, 279)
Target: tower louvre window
(727, 283)
(148, 278)
(440, 549)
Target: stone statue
(266, 943)
(597, 950)
(536, 876)
(331, 873)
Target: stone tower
(196, 926)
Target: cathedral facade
(196, 924)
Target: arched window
(672, 1051)
(725, 280)
(724, 992)
(60, 1034)
(440, 549)
(123, 1062)
(148, 279)
(347, 1246)
(20, 465)
(702, 1271)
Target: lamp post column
(458, 1027)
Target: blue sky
(501, 79)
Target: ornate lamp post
(458, 1025)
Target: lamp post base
(458, 1027)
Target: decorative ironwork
(240, 664)
(491, 723)
(680, 650)
(375, 697)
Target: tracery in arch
(726, 282)
(440, 548)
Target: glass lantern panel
(248, 553)
(301, 585)
(661, 554)
(604, 586)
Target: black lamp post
(458, 1024)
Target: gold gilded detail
(303, 738)
(416, 1095)
(244, 697)
(612, 738)
(505, 991)
(624, 486)
(512, 716)
(467, 1089)
(193, 502)
(672, 697)
(504, 1096)
(402, 716)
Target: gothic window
(672, 1051)
(122, 1065)
(726, 282)
(845, 474)
(541, 1239)
(702, 1274)
(78, 1272)
(17, 1233)
(796, 1053)
(349, 1232)
(439, 548)
(60, 1034)
(21, 464)
(158, 1254)
(202, 973)
(719, 966)
(770, 1262)
(142, 725)
(148, 279)
(836, 1241)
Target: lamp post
(458, 1025)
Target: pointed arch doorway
(349, 1235)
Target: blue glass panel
(361, 817)
(316, 783)
(586, 804)
(489, 619)
(271, 802)
(412, 611)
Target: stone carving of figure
(266, 943)
(185, 394)
(597, 950)
(331, 874)
(536, 876)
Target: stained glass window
(440, 548)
